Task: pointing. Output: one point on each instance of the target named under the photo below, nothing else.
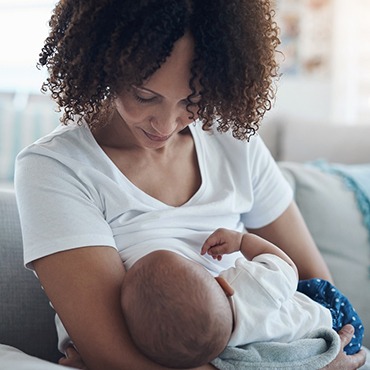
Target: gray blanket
(314, 351)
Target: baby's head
(176, 312)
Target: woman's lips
(156, 137)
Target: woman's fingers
(344, 361)
(72, 359)
(346, 334)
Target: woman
(138, 167)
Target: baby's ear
(226, 287)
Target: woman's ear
(226, 287)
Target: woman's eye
(143, 100)
(191, 104)
(194, 100)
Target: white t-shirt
(70, 194)
(266, 304)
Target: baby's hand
(222, 241)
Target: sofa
(327, 204)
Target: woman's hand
(344, 361)
(72, 359)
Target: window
(23, 28)
(326, 72)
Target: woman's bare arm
(290, 233)
(84, 286)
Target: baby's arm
(224, 241)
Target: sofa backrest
(26, 318)
(293, 140)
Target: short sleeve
(272, 194)
(58, 211)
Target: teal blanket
(357, 179)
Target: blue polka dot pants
(340, 307)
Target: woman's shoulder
(67, 149)
(64, 141)
(62, 136)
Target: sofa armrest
(27, 320)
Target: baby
(190, 316)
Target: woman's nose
(166, 121)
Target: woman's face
(156, 111)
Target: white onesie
(266, 304)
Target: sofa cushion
(332, 215)
(26, 318)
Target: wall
(334, 86)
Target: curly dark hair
(97, 48)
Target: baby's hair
(175, 311)
(99, 48)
